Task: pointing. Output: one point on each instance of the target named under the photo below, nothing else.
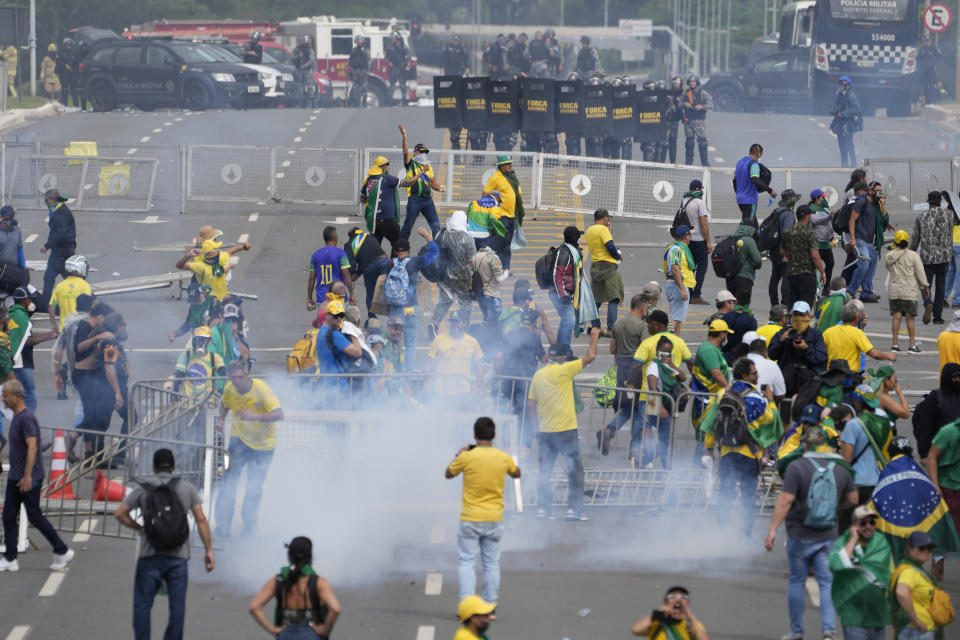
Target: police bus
(875, 43)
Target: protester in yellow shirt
(63, 302)
(647, 351)
(455, 355)
(914, 589)
(779, 318)
(253, 437)
(847, 342)
(212, 269)
(674, 620)
(484, 470)
(948, 342)
(475, 614)
(551, 399)
(505, 181)
(605, 279)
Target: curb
(17, 117)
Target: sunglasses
(678, 596)
(872, 522)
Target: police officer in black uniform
(555, 53)
(588, 61)
(304, 64)
(594, 144)
(495, 59)
(66, 69)
(253, 50)
(517, 57)
(667, 147)
(358, 66)
(81, 52)
(539, 54)
(398, 59)
(455, 62)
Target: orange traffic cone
(56, 487)
(105, 490)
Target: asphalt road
(616, 565)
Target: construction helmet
(76, 266)
(202, 331)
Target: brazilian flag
(880, 434)
(483, 215)
(906, 500)
(790, 448)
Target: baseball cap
(163, 459)
(681, 231)
(660, 316)
(421, 148)
(920, 539)
(901, 236)
(571, 235)
(402, 245)
(203, 331)
(750, 337)
(231, 311)
(334, 308)
(865, 394)
(813, 437)
(816, 193)
(863, 511)
(530, 316)
(558, 349)
(725, 296)
(696, 185)
(21, 293)
(652, 287)
(395, 321)
(473, 606)
(720, 325)
(811, 414)
(801, 307)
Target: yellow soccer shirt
(682, 629)
(597, 237)
(647, 351)
(261, 436)
(846, 342)
(552, 388)
(948, 345)
(769, 330)
(454, 360)
(465, 634)
(65, 296)
(204, 274)
(921, 592)
(484, 472)
(508, 199)
(675, 255)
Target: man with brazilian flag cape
(483, 219)
(380, 199)
(791, 447)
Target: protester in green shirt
(828, 311)
(861, 562)
(750, 256)
(943, 466)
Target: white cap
(750, 336)
(725, 296)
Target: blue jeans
(952, 281)
(699, 250)
(151, 571)
(848, 155)
(567, 446)
(298, 631)
(801, 555)
(481, 538)
(636, 431)
(415, 206)
(410, 326)
(662, 447)
(25, 377)
(863, 274)
(912, 633)
(257, 464)
(864, 633)
(490, 307)
(736, 468)
(567, 315)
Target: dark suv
(152, 73)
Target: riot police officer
(588, 61)
(398, 59)
(649, 149)
(696, 103)
(358, 66)
(304, 64)
(668, 146)
(495, 59)
(539, 54)
(253, 50)
(594, 143)
(572, 143)
(555, 53)
(517, 57)
(66, 69)
(611, 143)
(455, 61)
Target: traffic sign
(580, 184)
(663, 191)
(231, 173)
(636, 28)
(937, 18)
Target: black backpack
(731, 425)
(928, 420)
(680, 217)
(768, 236)
(841, 219)
(164, 518)
(726, 258)
(544, 267)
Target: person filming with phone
(799, 349)
(674, 619)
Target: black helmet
(693, 77)
(648, 85)
(660, 85)
(619, 82)
(396, 35)
(68, 42)
(549, 33)
(596, 80)
(676, 80)
(573, 76)
(585, 39)
(358, 39)
(900, 445)
(255, 35)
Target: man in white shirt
(768, 372)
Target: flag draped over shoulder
(860, 585)
(790, 448)
(906, 500)
(878, 428)
(483, 218)
(763, 420)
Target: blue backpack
(397, 287)
(822, 500)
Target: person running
(328, 264)
(748, 182)
(253, 437)
(484, 470)
(674, 620)
(605, 279)
(63, 302)
(155, 564)
(24, 479)
(419, 194)
(628, 332)
(551, 399)
(306, 605)
(567, 275)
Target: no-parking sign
(937, 18)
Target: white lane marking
(158, 130)
(812, 119)
(718, 158)
(285, 163)
(52, 584)
(145, 139)
(426, 632)
(317, 111)
(243, 238)
(302, 129)
(710, 148)
(291, 152)
(131, 151)
(307, 124)
(87, 187)
(437, 534)
(821, 125)
(313, 117)
(280, 175)
(434, 584)
(178, 119)
(31, 237)
(22, 631)
(253, 217)
(297, 139)
(83, 535)
(168, 124)
(149, 220)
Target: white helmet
(76, 266)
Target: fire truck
(334, 39)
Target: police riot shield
(597, 110)
(624, 110)
(475, 103)
(447, 102)
(651, 119)
(569, 97)
(503, 106)
(537, 100)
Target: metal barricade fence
(10, 152)
(313, 175)
(578, 184)
(230, 173)
(907, 181)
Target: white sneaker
(60, 560)
(9, 565)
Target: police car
(774, 82)
(156, 73)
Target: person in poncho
(456, 255)
(861, 562)
(381, 201)
(505, 181)
(483, 220)
(740, 462)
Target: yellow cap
(202, 332)
(209, 246)
(901, 236)
(379, 161)
(473, 606)
(335, 307)
(720, 325)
